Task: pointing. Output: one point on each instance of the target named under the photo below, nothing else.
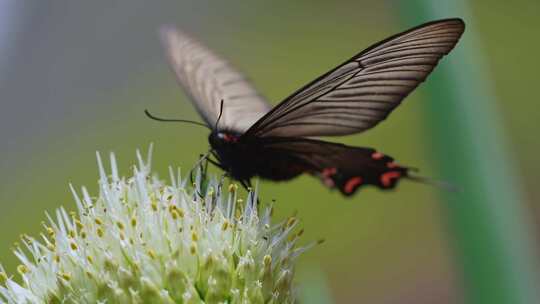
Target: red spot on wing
(328, 182)
(386, 178)
(328, 172)
(392, 165)
(352, 183)
(377, 155)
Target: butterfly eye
(227, 137)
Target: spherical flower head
(142, 240)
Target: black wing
(338, 166)
(362, 91)
(209, 79)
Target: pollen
(73, 246)
(233, 188)
(3, 277)
(22, 269)
(64, 275)
(50, 232)
(120, 225)
(291, 221)
(267, 260)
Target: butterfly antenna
(219, 116)
(149, 115)
(437, 183)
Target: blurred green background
(75, 77)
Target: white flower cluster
(144, 241)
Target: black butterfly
(251, 138)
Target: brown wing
(362, 91)
(208, 79)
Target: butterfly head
(222, 139)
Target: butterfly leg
(204, 168)
(217, 164)
(221, 180)
(197, 190)
(247, 185)
(202, 157)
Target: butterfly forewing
(208, 79)
(361, 92)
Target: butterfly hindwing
(338, 166)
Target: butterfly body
(244, 158)
(231, 154)
(251, 138)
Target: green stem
(314, 288)
(492, 234)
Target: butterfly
(251, 138)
